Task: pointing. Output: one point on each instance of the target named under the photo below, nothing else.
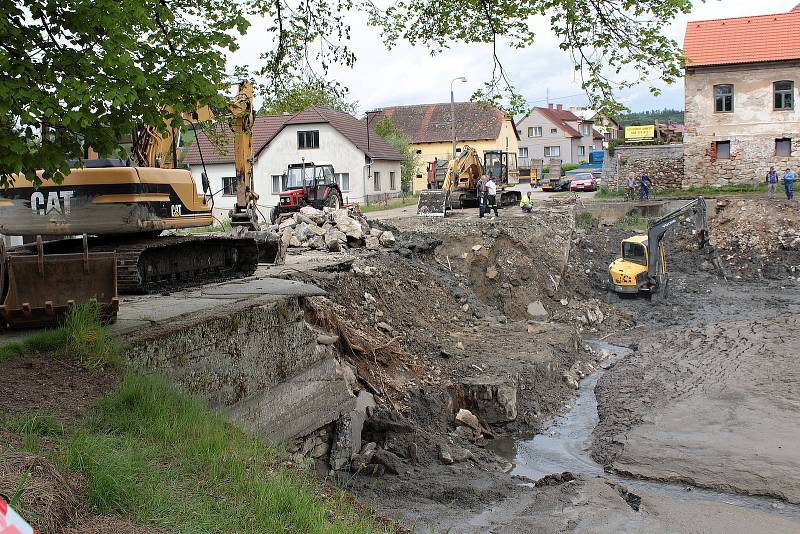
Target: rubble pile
(330, 229)
(756, 235)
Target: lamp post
(453, 112)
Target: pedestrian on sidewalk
(644, 187)
(482, 194)
(526, 203)
(491, 196)
(772, 182)
(788, 183)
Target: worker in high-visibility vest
(526, 203)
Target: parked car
(584, 181)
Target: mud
(709, 376)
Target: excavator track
(157, 264)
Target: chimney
(560, 107)
(549, 106)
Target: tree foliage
(650, 116)
(303, 95)
(90, 70)
(395, 138)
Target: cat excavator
(120, 207)
(642, 268)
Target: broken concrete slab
(297, 406)
(492, 399)
(537, 311)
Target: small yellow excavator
(642, 268)
(120, 207)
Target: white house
(554, 132)
(367, 168)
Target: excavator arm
(151, 148)
(694, 212)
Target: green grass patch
(584, 220)
(33, 427)
(631, 222)
(81, 336)
(223, 226)
(730, 189)
(396, 203)
(165, 460)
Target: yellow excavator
(459, 184)
(120, 207)
(642, 267)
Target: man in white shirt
(491, 196)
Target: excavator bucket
(433, 203)
(38, 288)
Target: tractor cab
(307, 184)
(501, 165)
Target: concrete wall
(751, 128)
(663, 163)
(334, 148)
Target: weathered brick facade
(752, 128)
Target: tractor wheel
(333, 200)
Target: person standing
(630, 187)
(491, 196)
(788, 183)
(772, 182)
(644, 187)
(482, 194)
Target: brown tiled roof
(743, 40)
(350, 127)
(597, 135)
(431, 123)
(559, 118)
(267, 127)
(264, 129)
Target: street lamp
(453, 112)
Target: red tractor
(307, 184)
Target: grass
(398, 203)
(584, 220)
(730, 189)
(631, 222)
(223, 226)
(162, 459)
(82, 336)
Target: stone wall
(663, 163)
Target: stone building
(742, 77)
(662, 163)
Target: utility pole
(453, 112)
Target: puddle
(566, 446)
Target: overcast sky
(409, 75)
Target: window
(308, 139)
(783, 147)
(784, 95)
(581, 150)
(552, 151)
(523, 152)
(723, 98)
(535, 131)
(377, 180)
(586, 129)
(723, 149)
(634, 252)
(343, 179)
(553, 130)
(277, 184)
(392, 184)
(229, 186)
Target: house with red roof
(367, 169)
(742, 77)
(428, 128)
(557, 133)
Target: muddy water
(566, 446)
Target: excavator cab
(629, 272)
